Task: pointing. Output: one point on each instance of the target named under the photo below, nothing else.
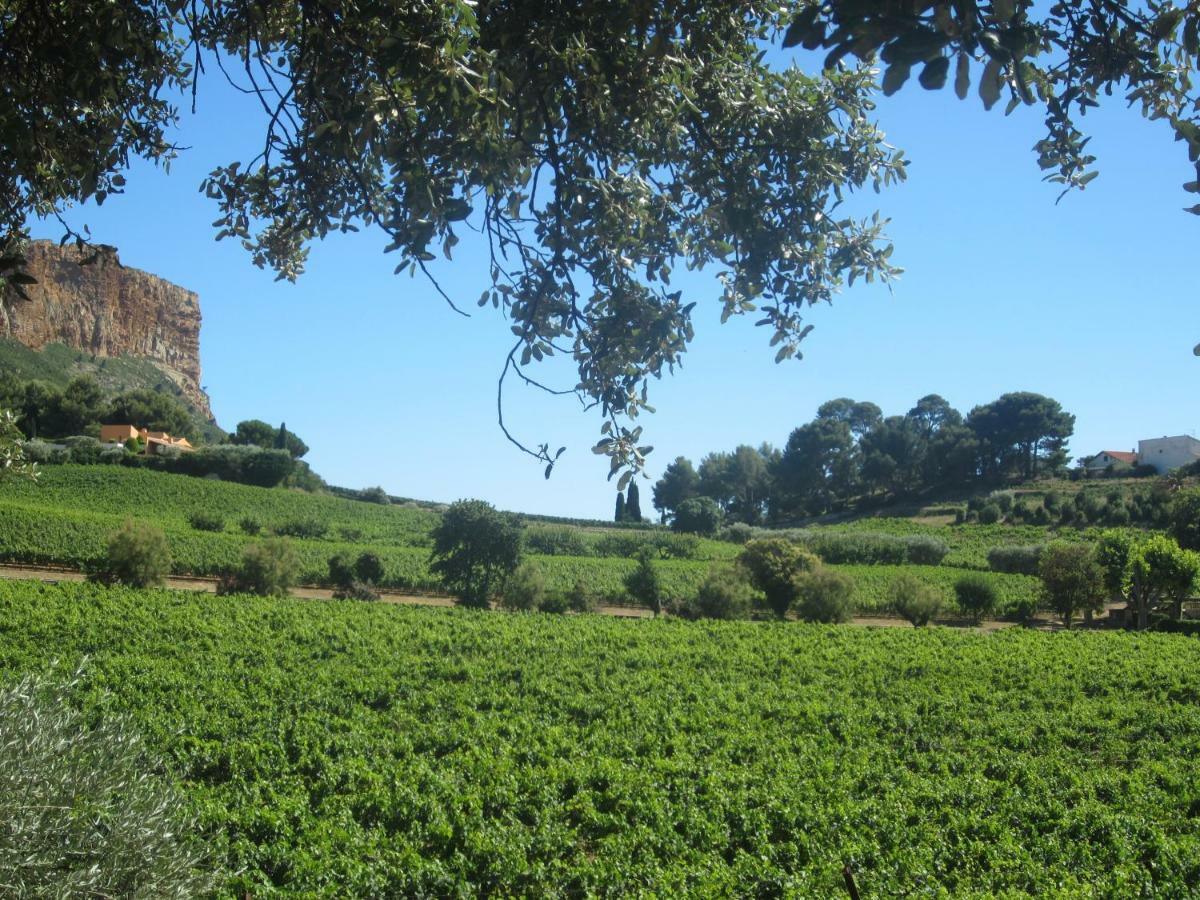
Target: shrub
(644, 585)
(1041, 516)
(369, 568)
(1015, 560)
(137, 555)
(555, 602)
(1052, 501)
(773, 565)
(1024, 609)
(341, 570)
(725, 593)
(914, 600)
(250, 525)
(697, 515)
(580, 598)
(86, 811)
(83, 450)
(824, 595)
(1067, 514)
(989, 514)
(556, 541)
(205, 521)
(525, 589)
(737, 533)
(1021, 510)
(1117, 515)
(1002, 499)
(267, 569)
(302, 528)
(349, 534)
(977, 596)
(856, 547)
(356, 590)
(924, 550)
(375, 495)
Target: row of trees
(851, 452)
(46, 411)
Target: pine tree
(619, 516)
(633, 506)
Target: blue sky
(1090, 301)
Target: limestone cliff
(108, 310)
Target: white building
(1167, 453)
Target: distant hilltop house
(1163, 454)
(1106, 458)
(154, 441)
(1167, 453)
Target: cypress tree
(619, 516)
(281, 437)
(633, 506)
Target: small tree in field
(824, 595)
(725, 593)
(773, 565)
(633, 504)
(524, 589)
(1159, 571)
(267, 569)
(913, 599)
(619, 511)
(475, 548)
(1072, 579)
(643, 583)
(976, 594)
(137, 555)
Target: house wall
(1168, 453)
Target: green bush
(310, 529)
(369, 568)
(1002, 499)
(1185, 519)
(85, 811)
(644, 584)
(989, 514)
(137, 555)
(925, 550)
(556, 602)
(976, 595)
(581, 598)
(524, 590)
(1052, 501)
(250, 525)
(774, 565)
(825, 595)
(206, 521)
(1015, 560)
(725, 593)
(913, 599)
(737, 533)
(267, 569)
(374, 495)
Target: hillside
(57, 364)
(65, 519)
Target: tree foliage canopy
(596, 146)
(475, 548)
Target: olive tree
(1072, 579)
(774, 566)
(475, 548)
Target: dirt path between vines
(53, 575)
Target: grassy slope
(65, 518)
(57, 364)
(360, 750)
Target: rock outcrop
(107, 309)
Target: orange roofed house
(154, 440)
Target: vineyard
(368, 750)
(66, 517)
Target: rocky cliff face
(107, 309)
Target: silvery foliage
(13, 463)
(85, 810)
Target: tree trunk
(1143, 614)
